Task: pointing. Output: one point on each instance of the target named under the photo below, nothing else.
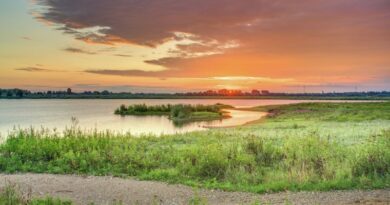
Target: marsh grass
(279, 154)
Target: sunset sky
(192, 45)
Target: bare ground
(104, 190)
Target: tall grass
(245, 163)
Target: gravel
(105, 190)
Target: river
(98, 114)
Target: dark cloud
(37, 69)
(26, 38)
(131, 73)
(123, 55)
(33, 69)
(151, 22)
(78, 50)
(270, 37)
(126, 88)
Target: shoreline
(262, 116)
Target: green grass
(301, 147)
(335, 112)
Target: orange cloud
(324, 41)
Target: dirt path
(104, 190)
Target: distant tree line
(227, 92)
(223, 93)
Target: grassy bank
(331, 112)
(177, 113)
(298, 147)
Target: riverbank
(106, 190)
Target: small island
(179, 113)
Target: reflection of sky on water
(98, 114)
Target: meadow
(309, 146)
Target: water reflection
(98, 114)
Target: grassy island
(310, 146)
(177, 113)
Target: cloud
(26, 38)
(33, 69)
(131, 73)
(37, 69)
(123, 55)
(163, 74)
(252, 78)
(78, 50)
(279, 38)
(322, 85)
(152, 22)
(148, 22)
(126, 88)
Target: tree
(9, 93)
(69, 91)
(265, 92)
(255, 92)
(19, 93)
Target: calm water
(98, 114)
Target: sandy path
(103, 190)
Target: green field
(310, 146)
